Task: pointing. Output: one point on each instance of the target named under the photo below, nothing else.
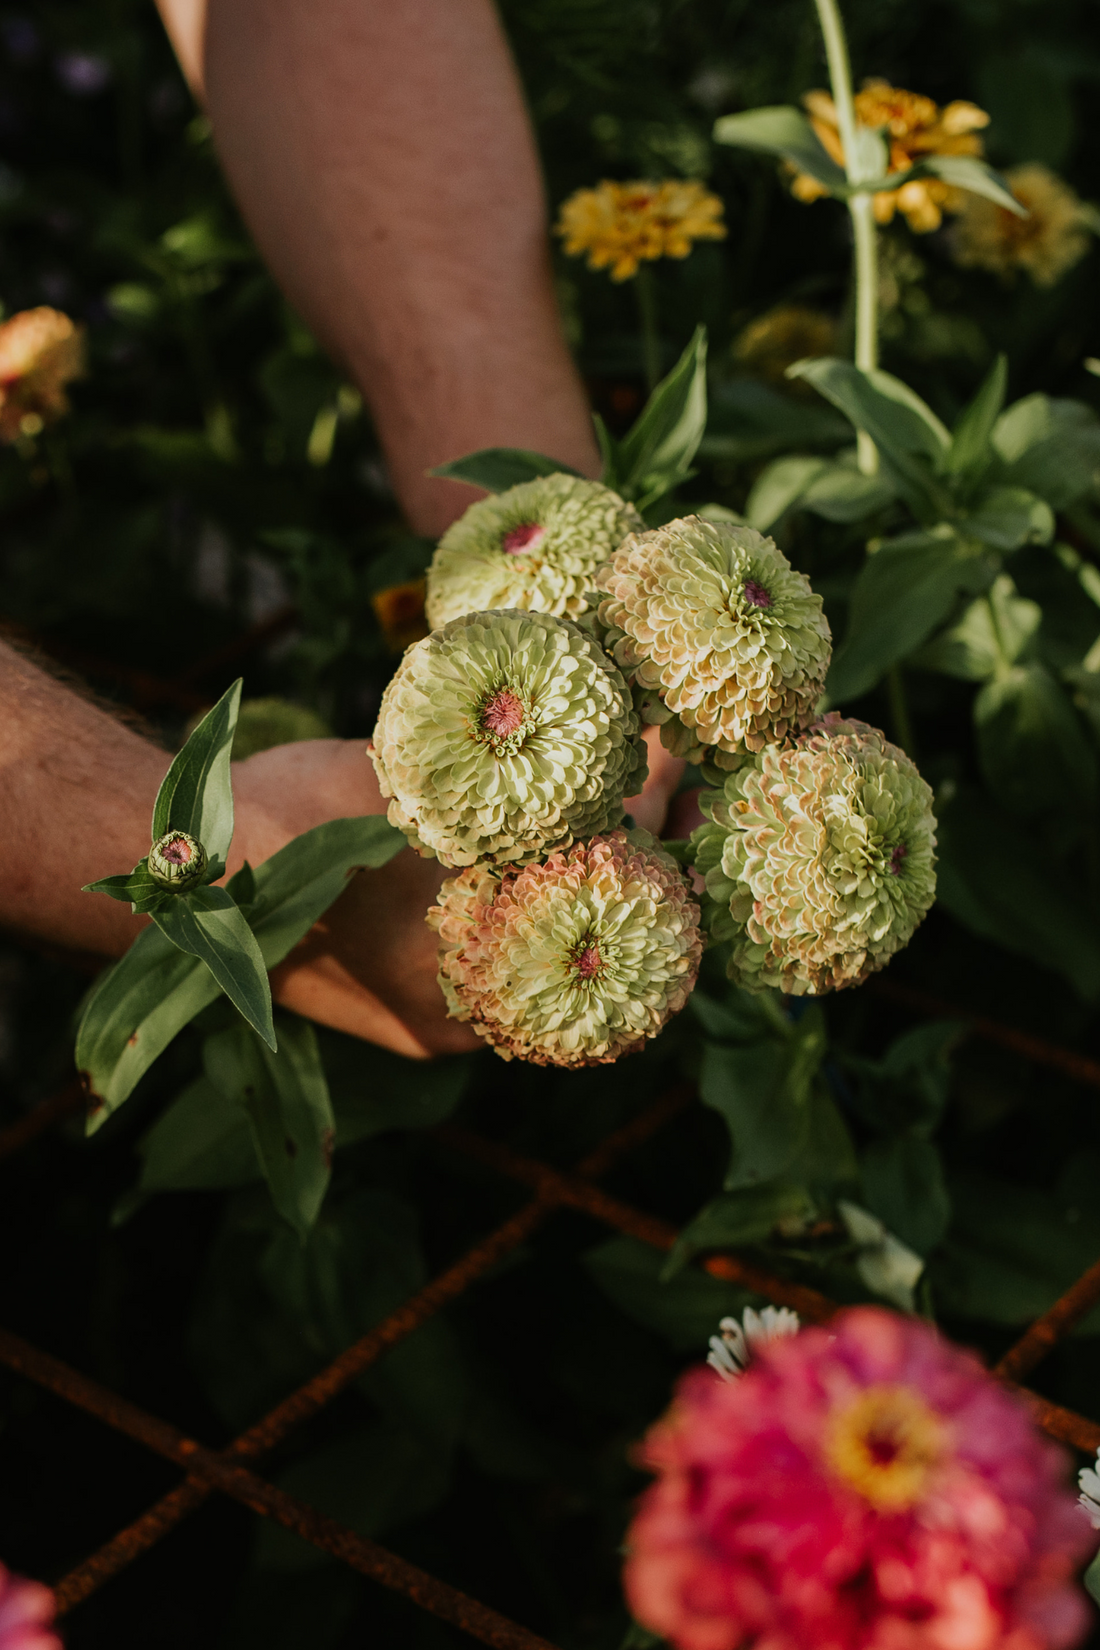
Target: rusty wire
(209, 1470)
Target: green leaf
(735, 1219)
(782, 130)
(835, 490)
(201, 1142)
(139, 890)
(1007, 517)
(748, 421)
(656, 453)
(685, 1309)
(971, 449)
(991, 635)
(1031, 746)
(912, 442)
(904, 590)
(196, 795)
(763, 1090)
(1012, 1249)
(136, 1008)
(286, 1100)
(1091, 1579)
(374, 1091)
(1051, 447)
(903, 1185)
(907, 1090)
(498, 468)
(207, 923)
(991, 879)
(967, 172)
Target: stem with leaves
(860, 206)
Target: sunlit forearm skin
(382, 156)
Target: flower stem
(646, 290)
(899, 711)
(859, 206)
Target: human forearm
(382, 156)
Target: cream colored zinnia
(41, 350)
(726, 644)
(1045, 245)
(537, 546)
(818, 859)
(505, 735)
(573, 962)
(914, 127)
(621, 225)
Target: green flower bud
(177, 860)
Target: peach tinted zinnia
(862, 1487)
(40, 351)
(26, 1614)
(573, 962)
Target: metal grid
(229, 1471)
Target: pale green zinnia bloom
(503, 736)
(818, 858)
(726, 644)
(573, 962)
(536, 546)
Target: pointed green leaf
(196, 795)
(136, 1008)
(971, 449)
(286, 1100)
(1031, 745)
(910, 438)
(1051, 447)
(989, 637)
(609, 453)
(656, 453)
(498, 468)
(1091, 1578)
(967, 172)
(1007, 517)
(208, 923)
(780, 486)
(834, 489)
(904, 590)
(762, 1089)
(202, 1142)
(785, 131)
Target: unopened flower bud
(177, 860)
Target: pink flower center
(900, 852)
(177, 852)
(527, 536)
(502, 714)
(755, 594)
(587, 961)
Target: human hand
(369, 966)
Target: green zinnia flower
(726, 644)
(505, 735)
(535, 547)
(573, 962)
(819, 859)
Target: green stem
(646, 290)
(899, 711)
(859, 206)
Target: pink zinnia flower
(26, 1614)
(862, 1487)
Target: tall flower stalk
(860, 166)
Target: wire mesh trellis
(230, 1470)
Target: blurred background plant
(215, 504)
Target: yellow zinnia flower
(624, 224)
(914, 127)
(40, 351)
(1047, 243)
(399, 610)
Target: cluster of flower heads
(819, 858)
(622, 225)
(509, 737)
(26, 1614)
(40, 352)
(865, 1486)
(914, 128)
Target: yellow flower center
(886, 1444)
